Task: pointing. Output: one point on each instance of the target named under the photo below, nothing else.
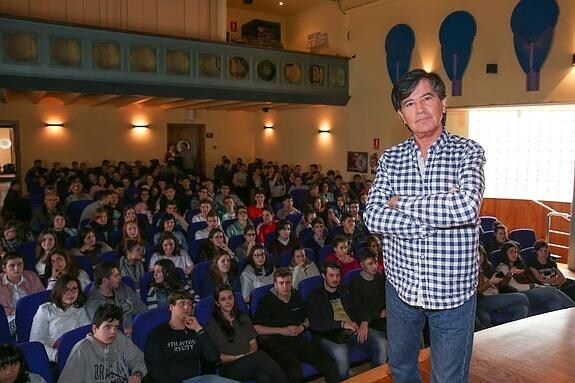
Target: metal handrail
(550, 215)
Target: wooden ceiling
(8, 96)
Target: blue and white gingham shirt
(430, 239)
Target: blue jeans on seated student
(547, 298)
(451, 333)
(375, 345)
(515, 304)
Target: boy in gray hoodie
(106, 355)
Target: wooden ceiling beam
(159, 101)
(184, 104)
(241, 105)
(35, 96)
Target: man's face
(51, 201)
(225, 190)
(182, 309)
(260, 198)
(205, 208)
(170, 194)
(230, 204)
(348, 224)
(13, 269)
(288, 203)
(115, 279)
(353, 208)
(283, 286)
(332, 278)
(107, 331)
(212, 222)
(422, 111)
(369, 265)
(318, 229)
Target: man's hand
(393, 202)
(348, 325)
(362, 332)
(291, 330)
(135, 377)
(192, 324)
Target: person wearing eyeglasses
(258, 272)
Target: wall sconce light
(140, 126)
(268, 126)
(324, 130)
(54, 125)
(573, 60)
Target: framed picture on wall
(357, 162)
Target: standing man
(425, 202)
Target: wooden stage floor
(535, 349)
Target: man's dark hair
(346, 215)
(103, 270)
(102, 194)
(366, 253)
(286, 197)
(11, 255)
(408, 82)
(540, 244)
(107, 312)
(316, 220)
(282, 272)
(330, 265)
(179, 294)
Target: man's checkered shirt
(430, 240)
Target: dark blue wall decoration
(532, 23)
(398, 47)
(456, 37)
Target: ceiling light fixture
(60, 125)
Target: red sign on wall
(376, 144)
(233, 26)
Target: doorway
(192, 136)
(10, 166)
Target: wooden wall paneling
(204, 20)
(150, 16)
(191, 17)
(15, 7)
(171, 18)
(75, 12)
(135, 15)
(114, 13)
(91, 12)
(48, 9)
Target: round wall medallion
(209, 65)
(292, 73)
(266, 70)
(239, 67)
(177, 62)
(66, 52)
(21, 47)
(143, 59)
(106, 55)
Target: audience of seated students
(213, 223)
(242, 221)
(305, 222)
(318, 239)
(14, 234)
(489, 299)
(14, 368)
(244, 249)
(373, 243)
(333, 319)
(235, 337)
(175, 349)
(517, 279)
(287, 207)
(301, 267)
(367, 291)
(59, 225)
(268, 224)
(169, 248)
(46, 243)
(62, 263)
(205, 208)
(258, 272)
(354, 234)
(103, 199)
(221, 272)
(87, 245)
(544, 270)
(166, 280)
(216, 244)
(342, 255)
(108, 288)
(16, 283)
(499, 237)
(131, 263)
(102, 224)
(15, 206)
(63, 313)
(167, 224)
(284, 241)
(256, 210)
(106, 354)
(42, 215)
(280, 320)
(145, 205)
